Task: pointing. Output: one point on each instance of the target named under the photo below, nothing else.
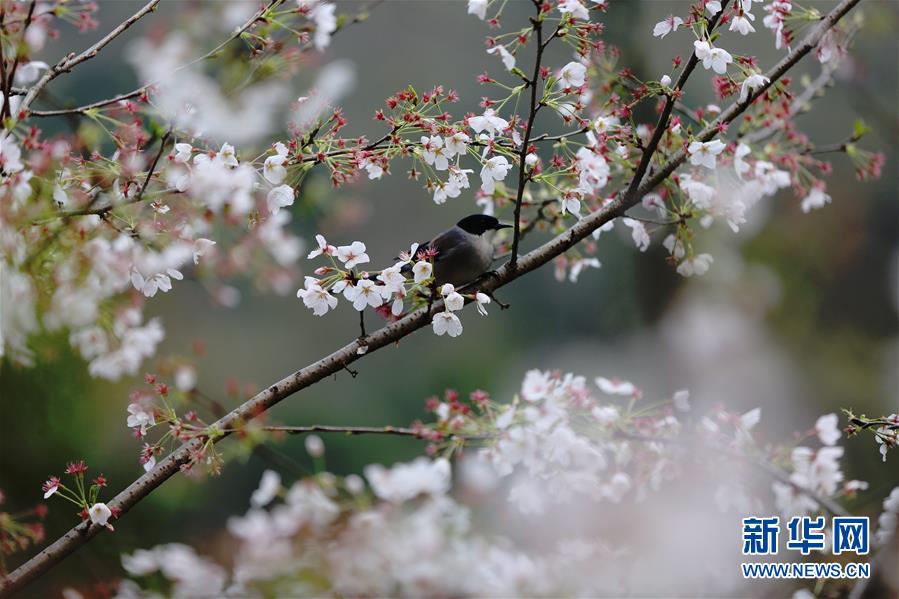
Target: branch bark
(392, 333)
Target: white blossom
(616, 387)
(316, 298)
(367, 294)
(494, 169)
(406, 481)
(140, 418)
(713, 58)
(815, 199)
(99, 514)
(575, 9)
(352, 254)
(273, 168)
(752, 82)
(573, 75)
(743, 23)
(827, 430)
(663, 28)
(433, 153)
(489, 122)
(478, 8)
(696, 265)
(279, 197)
(506, 56)
(638, 233)
(269, 485)
(704, 153)
(448, 323)
(421, 271)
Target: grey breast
(461, 256)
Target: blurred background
(798, 313)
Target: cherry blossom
(579, 265)
(457, 144)
(616, 387)
(433, 152)
(478, 8)
(494, 169)
(421, 271)
(315, 298)
(815, 200)
(323, 248)
(325, 23)
(638, 233)
(183, 152)
(273, 169)
(827, 430)
(489, 122)
(506, 56)
(367, 294)
(743, 23)
(482, 301)
(268, 489)
(448, 323)
(140, 418)
(663, 28)
(452, 299)
(713, 58)
(279, 197)
(704, 153)
(573, 75)
(751, 83)
(100, 514)
(696, 265)
(574, 8)
(353, 254)
(50, 487)
(406, 481)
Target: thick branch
(392, 333)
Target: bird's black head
(478, 224)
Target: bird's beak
(503, 226)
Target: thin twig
(72, 60)
(346, 430)
(144, 88)
(662, 124)
(763, 465)
(391, 333)
(532, 114)
(140, 194)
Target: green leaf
(860, 129)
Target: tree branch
(72, 60)
(358, 18)
(392, 333)
(771, 470)
(346, 430)
(532, 114)
(662, 124)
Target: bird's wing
(446, 244)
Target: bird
(463, 252)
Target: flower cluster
(409, 280)
(87, 239)
(84, 496)
(156, 405)
(884, 429)
(19, 531)
(565, 450)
